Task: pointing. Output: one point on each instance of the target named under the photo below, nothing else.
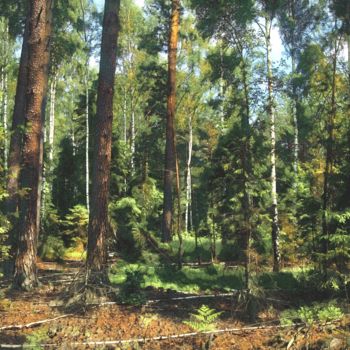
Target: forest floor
(103, 326)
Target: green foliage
(204, 319)
(318, 312)
(131, 290)
(75, 225)
(37, 337)
(126, 217)
(188, 279)
(52, 248)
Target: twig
(33, 324)
(161, 337)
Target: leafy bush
(329, 313)
(310, 314)
(131, 290)
(75, 225)
(52, 249)
(126, 216)
(204, 319)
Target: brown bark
(14, 161)
(170, 148)
(98, 222)
(40, 15)
(14, 158)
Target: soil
(112, 322)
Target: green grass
(188, 279)
(227, 253)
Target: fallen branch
(33, 324)
(161, 337)
(165, 337)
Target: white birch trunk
(296, 128)
(52, 119)
(188, 210)
(272, 116)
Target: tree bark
(98, 222)
(14, 160)
(329, 157)
(272, 116)
(246, 166)
(170, 151)
(87, 135)
(40, 16)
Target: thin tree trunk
(246, 166)
(272, 116)
(329, 157)
(98, 222)
(42, 180)
(132, 137)
(178, 193)
(40, 16)
(4, 89)
(5, 117)
(52, 119)
(188, 220)
(296, 127)
(87, 132)
(47, 171)
(167, 224)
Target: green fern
(204, 319)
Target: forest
(175, 174)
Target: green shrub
(318, 312)
(52, 248)
(329, 313)
(131, 290)
(204, 319)
(126, 216)
(75, 225)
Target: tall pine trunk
(14, 160)
(272, 116)
(38, 41)
(98, 221)
(170, 151)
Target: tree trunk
(87, 132)
(329, 157)
(246, 166)
(52, 119)
(188, 214)
(98, 222)
(132, 138)
(272, 116)
(295, 122)
(167, 225)
(40, 12)
(14, 159)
